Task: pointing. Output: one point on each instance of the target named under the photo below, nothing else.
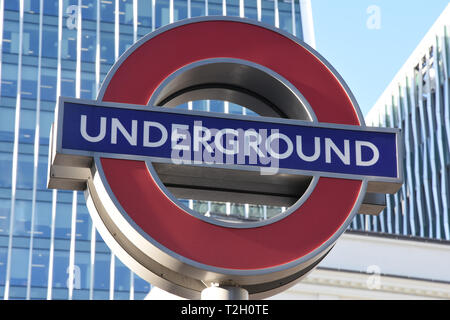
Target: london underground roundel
(134, 156)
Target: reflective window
(7, 119)
(251, 9)
(285, 12)
(107, 47)
(215, 7)
(25, 171)
(29, 82)
(19, 259)
(122, 277)
(27, 120)
(83, 228)
(30, 6)
(126, 12)
(197, 8)
(60, 274)
(267, 12)
(50, 41)
(69, 44)
(101, 277)
(88, 89)
(12, 5)
(63, 220)
(5, 210)
(81, 275)
(298, 21)
(180, 10)
(67, 83)
(125, 41)
(10, 36)
(144, 13)
(162, 13)
(107, 11)
(43, 218)
(39, 268)
(50, 8)
(141, 285)
(233, 8)
(89, 10)
(22, 218)
(235, 109)
(30, 39)
(88, 45)
(3, 257)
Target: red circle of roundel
(272, 245)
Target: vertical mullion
(206, 7)
(36, 151)
(97, 50)
(135, 29)
(116, 56)
(72, 244)
(131, 285)
(294, 23)
(54, 191)
(241, 9)
(52, 247)
(135, 20)
(2, 8)
(424, 154)
(433, 146)
(97, 87)
(446, 72)
(224, 7)
(92, 261)
(75, 193)
(443, 188)
(116, 30)
(15, 153)
(153, 15)
(276, 14)
(189, 12)
(171, 14)
(112, 267)
(417, 174)
(409, 106)
(258, 10)
(307, 23)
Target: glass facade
(49, 248)
(417, 101)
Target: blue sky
(367, 51)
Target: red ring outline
(272, 245)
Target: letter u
(304, 157)
(84, 133)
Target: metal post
(224, 293)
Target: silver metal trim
(274, 80)
(240, 225)
(378, 184)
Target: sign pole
(224, 293)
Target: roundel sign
(305, 147)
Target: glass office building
(49, 248)
(418, 102)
